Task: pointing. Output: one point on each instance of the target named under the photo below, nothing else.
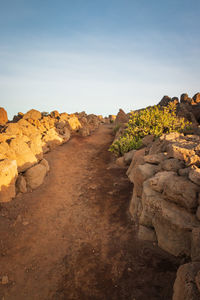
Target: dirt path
(73, 238)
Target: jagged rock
(155, 158)
(8, 176)
(33, 114)
(21, 184)
(74, 123)
(172, 223)
(148, 140)
(64, 117)
(129, 156)
(13, 129)
(138, 159)
(18, 117)
(184, 151)
(26, 128)
(93, 122)
(3, 116)
(196, 98)
(185, 287)
(165, 101)
(172, 164)
(35, 145)
(22, 154)
(159, 180)
(141, 173)
(35, 176)
(185, 98)
(146, 234)
(52, 138)
(194, 175)
(121, 117)
(171, 187)
(55, 114)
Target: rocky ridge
(24, 141)
(165, 202)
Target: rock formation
(121, 117)
(166, 202)
(3, 116)
(24, 141)
(189, 108)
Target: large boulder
(36, 144)
(22, 154)
(185, 99)
(35, 176)
(196, 98)
(155, 158)
(172, 164)
(13, 129)
(52, 138)
(165, 101)
(141, 173)
(74, 123)
(33, 114)
(3, 116)
(21, 184)
(172, 224)
(171, 186)
(137, 159)
(8, 176)
(121, 117)
(185, 287)
(18, 149)
(27, 128)
(184, 150)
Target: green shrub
(155, 120)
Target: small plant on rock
(155, 121)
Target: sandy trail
(73, 238)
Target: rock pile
(24, 141)
(187, 107)
(166, 201)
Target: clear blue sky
(97, 56)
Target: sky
(97, 55)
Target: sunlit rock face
(24, 141)
(3, 116)
(166, 202)
(8, 176)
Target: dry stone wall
(24, 141)
(166, 202)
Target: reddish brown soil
(73, 238)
